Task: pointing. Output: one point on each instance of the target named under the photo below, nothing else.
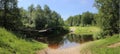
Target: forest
(22, 29)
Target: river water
(65, 41)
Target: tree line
(107, 17)
(12, 17)
(38, 18)
(84, 19)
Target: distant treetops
(85, 19)
(39, 18)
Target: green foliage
(74, 20)
(108, 16)
(31, 16)
(87, 18)
(24, 16)
(10, 15)
(10, 44)
(38, 18)
(48, 19)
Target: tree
(87, 18)
(47, 18)
(31, 11)
(10, 17)
(69, 21)
(40, 20)
(56, 19)
(74, 20)
(108, 15)
(77, 20)
(1, 13)
(47, 15)
(24, 16)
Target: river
(65, 41)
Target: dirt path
(72, 50)
(114, 45)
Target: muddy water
(65, 41)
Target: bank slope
(11, 44)
(102, 46)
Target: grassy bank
(10, 44)
(101, 46)
(97, 46)
(87, 30)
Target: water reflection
(65, 41)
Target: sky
(65, 8)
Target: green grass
(101, 46)
(87, 30)
(10, 44)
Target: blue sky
(65, 8)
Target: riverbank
(102, 46)
(86, 30)
(93, 31)
(109, 45)
(11, 44)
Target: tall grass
(11, 44)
